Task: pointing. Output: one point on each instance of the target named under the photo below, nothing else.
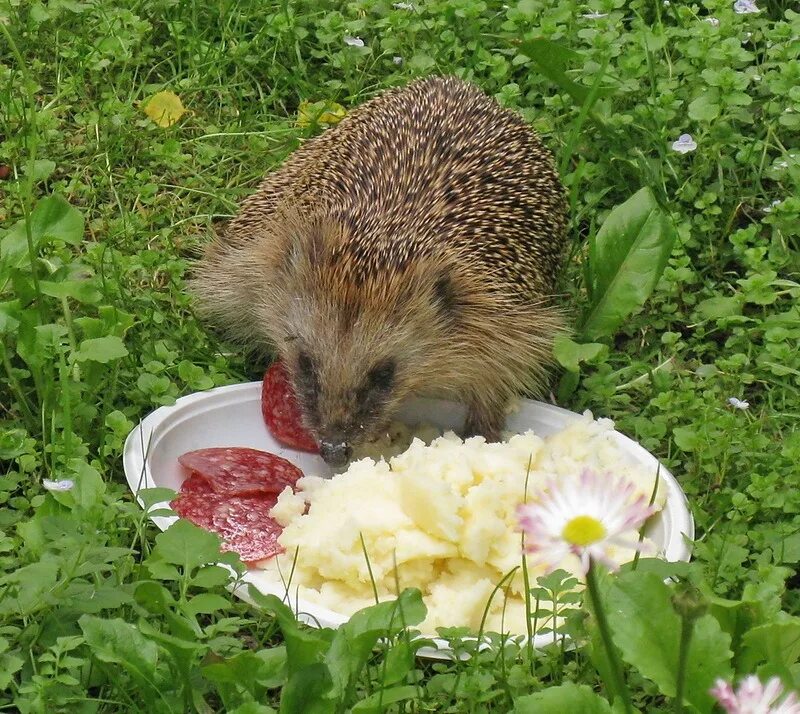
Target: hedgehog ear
(445, 296)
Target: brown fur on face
(409, 249)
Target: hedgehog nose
(335, 452)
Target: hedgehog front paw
(485, 423)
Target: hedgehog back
(439, 166)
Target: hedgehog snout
(335, 450)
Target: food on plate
(239, 470)
(231, 491)
(281, 411)
(441, 518)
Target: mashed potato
(441, 518)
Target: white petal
(63, 485)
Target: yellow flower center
(583, 531)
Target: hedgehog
(412, 249)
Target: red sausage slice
(197, 507)
(196, 484)
(242, 522)
(240, 471)
(245, 525)
(282, 412)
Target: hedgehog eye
(381, 376)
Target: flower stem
(605, 635)
(687, 628)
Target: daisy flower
(353, 41)
(753, 697)
(586, 517)
(737, 403)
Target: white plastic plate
(231, 416)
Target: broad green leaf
(53, 218)
(274, 674)
(211, 576)
(376, 703)
(153, 596)
(249, 672)
(705, 107)
(89, 485)
(112, 321)
(184, 637)
(151, 496)
(42, 168)
(570, 353)
(716, 307)
(552, 60)
(354, 640)
(10, 664)
(640, 613)
(569, 697)
(118, 642)
(93, 598)
(186, 545)
(100, 349)
(306, 691)
(399, 661)
(28, 588)
(567, 385)
(9, 323)
(13, 250)
(776, 644)
(84, 291)
(736, 617)
(686, 438)
(662, 568)
(164, 108)
(303, 646)
(627, 258)
(206, 603)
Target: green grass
(93, 615)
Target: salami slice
(246, 527)
(240, 471)
(198, 507)
(281, 411)
(243, 522)
(196, 484)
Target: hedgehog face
(359, 334)
(343, 414)
(353, 357)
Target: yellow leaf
(324, 113)
(165, 108)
